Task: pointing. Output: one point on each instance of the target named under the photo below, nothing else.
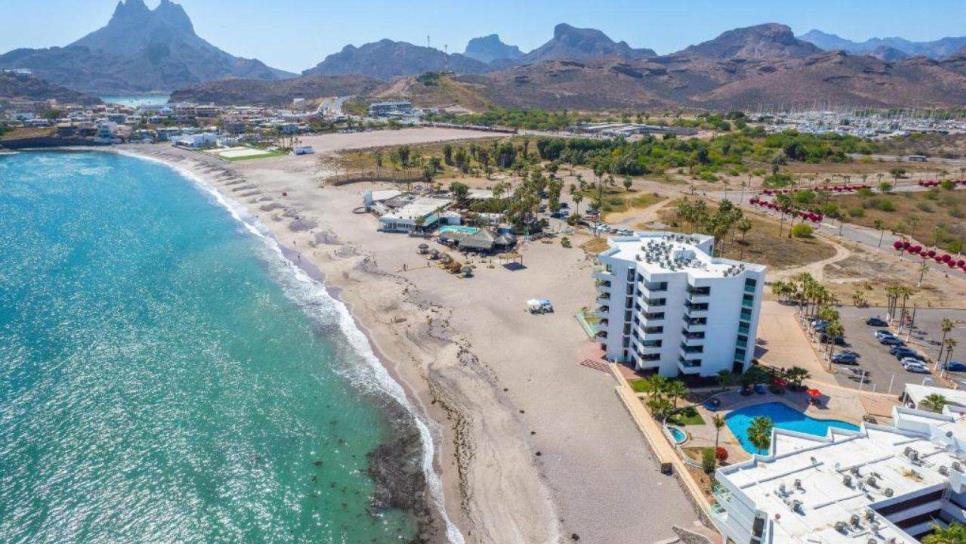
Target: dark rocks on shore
(396, 469)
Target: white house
(666, 305)
(882, 484)
(195, 141)
(420, 214)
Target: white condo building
(882, 484)
(667, 305)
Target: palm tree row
(664, 394)
(806, 291)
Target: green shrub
(708, 462)
(925, 207)
(802, 230)
(948, 185)
(856, 212)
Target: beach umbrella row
(950, 261)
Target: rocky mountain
(767, 41)
(758, 67)
(936, 49)
(888, 54)
(490, 48)
(28, 87)
(139, 50)
(387, 59)
(259, 92)
(570, 43)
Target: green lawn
(688, 416)
(265, 155)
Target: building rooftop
(828, 489)
(419, 208)
(665, 252)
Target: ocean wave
(308, 289)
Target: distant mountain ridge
(140, 50)
(228, 92)
(387, 59)
(936, 49)
(32, 88)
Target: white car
(917, 367)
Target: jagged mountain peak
(490, 48)
(139, 50)
(572, 43)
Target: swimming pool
(679, 436)
(783, 417)
(459, 228)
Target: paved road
(882, 368)
(866, 236)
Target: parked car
(876, 322)
(891, 341)
(916, 367)
(880, 333)
(838, 340)
(955, 366)
(854, 353)
(902, 352)
(845, 358)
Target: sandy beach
(531, 446)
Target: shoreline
(529, 445)
(365, 348)
(448, 491)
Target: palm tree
(950, 344)
(879, 226)
(654, 385)
(955, 533)
(718, 423)
(832, 331)
(759, 433)
(946, 326)
(933, 403)
(796, 375)
(675, 390)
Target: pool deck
(843, 408)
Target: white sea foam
(315, 290)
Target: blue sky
(297, 34)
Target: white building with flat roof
(419, 214)
(882, 484)
(667, 305)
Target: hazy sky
(297, 34)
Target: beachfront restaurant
(420, 215)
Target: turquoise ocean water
(165, 376)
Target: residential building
(666, 305)
(880, 484)
(397, 108)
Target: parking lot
(883, 369)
